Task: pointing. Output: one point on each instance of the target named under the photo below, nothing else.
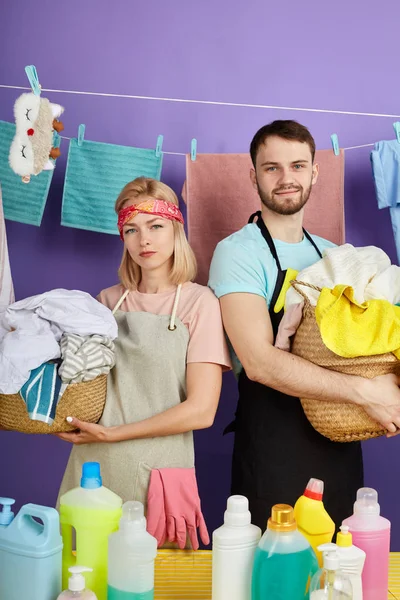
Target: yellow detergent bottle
(312, 519)
(93, 512)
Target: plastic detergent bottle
(330, 583)
(371, 533)
(30, 553)
(312, 519)
(131, 554)
(93, 511)
(233, 548)
(352, 560)
(284, 560)
(77, 587)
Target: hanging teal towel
(96, 173)
(22, 202)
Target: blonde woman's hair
(184, 266)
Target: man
(276, 449)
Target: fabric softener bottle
(284, 560)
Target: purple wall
(338, 57)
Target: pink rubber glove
(182, 507)
(156, 519)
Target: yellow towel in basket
(350, 329)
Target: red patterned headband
(160, 208)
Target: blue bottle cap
(6, 515)
(91, 478)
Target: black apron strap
(268, 238)
(266, 235)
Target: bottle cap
(133, 515)
(367, 502)
(6, 515)
(282, 518)
(237, 511)
(76, 583)
(330, 556)
(314, 489)
(91, 478)
(344, 539)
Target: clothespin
(32, 75)
(56, 140)
(81, 134)
(335, 144)
(396, 126)
(160, 140)
(193, 149)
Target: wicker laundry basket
(85, 401)
(340, 422)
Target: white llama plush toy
(32, 146)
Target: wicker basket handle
(296, 284)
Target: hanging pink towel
(220, 198)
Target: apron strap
(266, 235)
(268, 238)
(120, 301)
(172, 325)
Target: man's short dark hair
(288, 130)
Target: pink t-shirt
(198, 309)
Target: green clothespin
(81, 134)
(31, 72)
(335, 144)
(160, 140)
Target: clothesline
(209, 102)
(184, 154)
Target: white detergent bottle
(76, 586)
(330, 582)
(234, 546)
(131, 555)
(351, 559)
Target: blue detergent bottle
(284, 561)
(30, 552)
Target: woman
(170, 351)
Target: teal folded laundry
(96, 173)
(22, 202)
(42, 392)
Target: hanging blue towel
(96, 173)
(22, 202)
(385, 160)
(41, 392)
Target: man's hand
(380, 398)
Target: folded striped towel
(42, 392)
(85, 357)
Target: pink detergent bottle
(371, 533)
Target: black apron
(276, 449)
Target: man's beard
(282, 206)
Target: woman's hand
(88, 433)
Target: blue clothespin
(81, 134)
(396, 126)
(335, 144)
(31, 72)
(160, 140)
(56, 140)
(193, 149)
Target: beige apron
(148, 378)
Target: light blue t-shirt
(243, 262)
